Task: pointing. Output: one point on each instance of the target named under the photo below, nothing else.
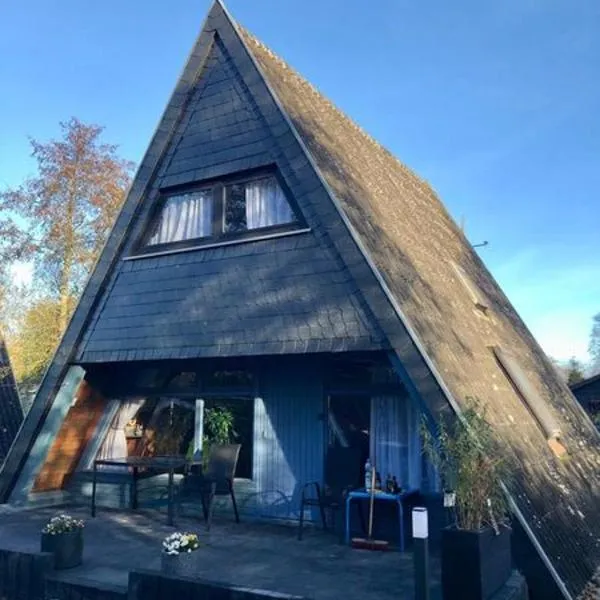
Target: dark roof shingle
(413, 243)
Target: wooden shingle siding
(23, 574)
(263, 297)
(287, 295)
(221, 132)
(71, 440)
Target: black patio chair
(342, 474)
(215, 480)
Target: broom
(369, 543)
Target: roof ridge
(324, 99)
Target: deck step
(64, 586)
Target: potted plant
(63, 537)
(476, 558)
(180, 554)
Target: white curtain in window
(115, 443)
(266, 204)
(394, 439)
(184, 217)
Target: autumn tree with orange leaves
(60, 218)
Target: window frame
(158, 210)
(219, 197)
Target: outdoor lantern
(421, 552)
(419, 523)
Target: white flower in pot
(63, 536)
(180, 554)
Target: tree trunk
(65, 274)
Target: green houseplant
(476, 558)
(218, 429)
(63, 537)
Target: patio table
(380, 496)
(133, 464)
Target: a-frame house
(270, 254)
(11, 411)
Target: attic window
(255, 205)
(475, 294)
(223, 210)
(534, 402)
(184, 217)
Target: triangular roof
(585, 382)
(11, 411)
(437, 304)
(422, 259)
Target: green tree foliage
(32, 345)
(594, 346)
(575, 371)
(60, 217)
(560, 368)
(58, 220)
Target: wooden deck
(258, 555)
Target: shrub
(463, 452)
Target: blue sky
(496, 104)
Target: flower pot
(186, 564)
(66, 547)
(475, 564)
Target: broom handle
(371, 503)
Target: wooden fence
(23, 574)
(150, 585)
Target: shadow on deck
(258, 555)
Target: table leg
(94, 490)
(211, 504)
(134, 490)
(170, 507)
(347, 532)
(401, 520)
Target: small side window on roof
(475, 293)
(532, 399)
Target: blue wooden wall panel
(288, 439)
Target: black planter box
(475, 564)
(66, 547)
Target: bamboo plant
(463, 452)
